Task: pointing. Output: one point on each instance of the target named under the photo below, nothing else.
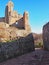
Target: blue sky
(38, 11)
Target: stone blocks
(46, 36)
(18, 47)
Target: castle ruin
(13, 25)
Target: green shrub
(39, 45)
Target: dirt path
(32, 58)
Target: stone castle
(13, 25)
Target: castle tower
(8, 11)
(25, 19)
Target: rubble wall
(15, 48)
(46, 36)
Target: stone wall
(46, 36)
(15, 48)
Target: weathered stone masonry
(17, 47)
(46, 36)
(13, 20)
(15, 27)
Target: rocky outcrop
(12, 33)
(46, 36)
(15, 48)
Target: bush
(39, 45)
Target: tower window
(16, 23)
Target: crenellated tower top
(8, 11)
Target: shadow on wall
(15, 48)
(19, 24)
